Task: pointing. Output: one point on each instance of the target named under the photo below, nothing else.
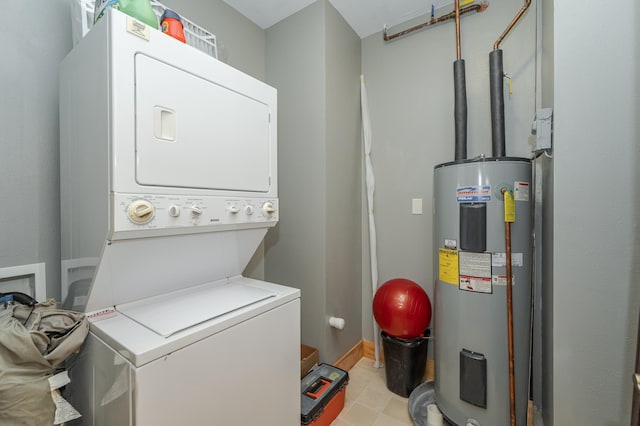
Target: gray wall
(295, 249)
(34, 40)
(410, 88)
(241, 43)
(313, 59)
(343, 177)
(596, 212)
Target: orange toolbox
(323, 390)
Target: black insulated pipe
(496, 73)
(460, 110)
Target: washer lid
(170, 313)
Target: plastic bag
(34, 341)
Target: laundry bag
(35, 341)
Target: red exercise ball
(402, 308)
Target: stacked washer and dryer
(168, 165)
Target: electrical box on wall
(542, 128)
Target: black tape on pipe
(460, 110)
(496, 73)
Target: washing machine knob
(196, 211)
(268, 209)
(141, 211)
(248, 209)
(174, 211)
(233, 209)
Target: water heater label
(502, 280)
(476, 284)
(475, 272)
(475, 264)
(521, 191)
(499, 260)
(474, 194)
(448, 266)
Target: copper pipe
(472, 8)
(458, 54)
(512, 381)
(515, 20)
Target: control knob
(268, 209)
(174, 211)
(140, 211)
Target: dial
(174, 211)
(268, 209)
(140, 211)
(248, 209)
(196, 211)
(233, 209)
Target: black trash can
(405, 362)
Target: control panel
(134, 212)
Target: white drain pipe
(370, 183)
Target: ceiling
(366, 17)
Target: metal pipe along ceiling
(433, 21)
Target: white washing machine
(168, 165)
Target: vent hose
(370, 183)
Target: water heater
(470, 318)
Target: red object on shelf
(402, 308)
(171, 24)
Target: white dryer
(168, 164)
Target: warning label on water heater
(475, 272)
(521, 191)
(475, 284)
(448, 266)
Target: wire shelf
(195, 35)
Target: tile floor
(368, 402)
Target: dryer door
(194, 133)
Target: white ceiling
(366, 17)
